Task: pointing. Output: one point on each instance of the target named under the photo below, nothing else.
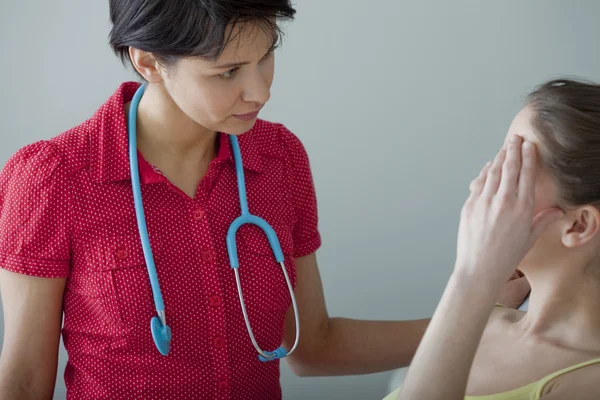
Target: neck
(165, 130)
(563, 308)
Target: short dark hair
(172, 29)
(566, 117)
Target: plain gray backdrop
(399, 104)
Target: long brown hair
(566, 116)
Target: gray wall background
(399, 103)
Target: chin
(237, 127)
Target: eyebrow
(238, 64)
(231, 65)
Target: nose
(257, 89)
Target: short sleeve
(35, 210)
(306, 235)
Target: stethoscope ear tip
(161, 335)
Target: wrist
(488, 276)
(470, 281)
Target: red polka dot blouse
(66, 210)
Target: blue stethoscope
(161, 332)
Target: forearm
(448, 348)
(352, 347)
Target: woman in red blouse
(69, 241)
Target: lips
(249, 116)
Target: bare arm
(448, 348)
(32, 323)
(496, 230)
(338, 346)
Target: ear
(145, 64)
(584, 226)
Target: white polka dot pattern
(66, 210)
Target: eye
(228, 74)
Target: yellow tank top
(533, 391)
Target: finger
(514, 292)
(511, 167)
(477, 184)
(516, 275)
(519, 273)
(526, 188)
(493, 176)
(521, 289)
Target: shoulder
(66, 152)
(74, 147)
(57, 158)
(276, 140)
(34, 178)
(70, 150)
(580, 384)
(498, 325)
(36, 161)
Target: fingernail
(513, 138)
(527, 145)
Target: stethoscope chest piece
(161, 335)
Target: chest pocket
(261, 276)
(119, 276)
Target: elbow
(309, 361)
(303, 368)
(24, 383)
(298, 369)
